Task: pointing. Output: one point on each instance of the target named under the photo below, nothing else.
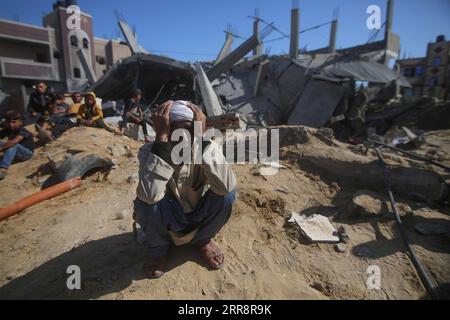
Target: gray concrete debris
(226, 48)
(340, 247)
(317, 104)
(237, 54)
(133, 179)
(210, 99)
(300, 89)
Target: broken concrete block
(343, 236)
(340, 247)
(326, 135)
(132, 179)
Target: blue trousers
(211, 214)
(16, 152)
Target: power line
(302, 31)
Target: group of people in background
(52, 116)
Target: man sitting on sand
(75, 107)
(186, 203)
(134, 113)
(90, 113)
(19, 145)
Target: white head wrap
(180, 112)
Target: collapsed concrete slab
(317, 104)
(159, 78)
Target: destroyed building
(312, 88)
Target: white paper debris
(316, 228)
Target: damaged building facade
(429, 75)
(68, 60)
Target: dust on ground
(265, 256)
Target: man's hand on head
(161, 121)
(198, 115)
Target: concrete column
(90, 74)
(226, 48)
(258, 50)
(210, 99)
(295, 29)
(262, 72)
(389, 18)
(237, 54)
(333, 35)
(388, 36)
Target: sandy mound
(266, 257)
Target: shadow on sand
(107, 265)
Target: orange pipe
(38, 197)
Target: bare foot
(213, 255)
(154, 268)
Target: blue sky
(193, 30)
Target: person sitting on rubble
(50, 108)
(75, 107)
(19, 144)
(185, 203)
(90, 113)
(134, 113)
(61, 106)
(39, 100)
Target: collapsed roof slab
(317, 104)
(156, 76)
(365, 71)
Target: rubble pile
(318, 176)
